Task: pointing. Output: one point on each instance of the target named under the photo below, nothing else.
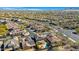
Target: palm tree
(2, 46)
(49, 44)
(34, 39)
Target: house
(41, 44)
(3, 22)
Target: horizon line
(39, 8)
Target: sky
(39, 8)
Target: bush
(77, 30)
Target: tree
(77, 30)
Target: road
(66, 33)
(69, 33)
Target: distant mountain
(39, 8)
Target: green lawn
(3, 29)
